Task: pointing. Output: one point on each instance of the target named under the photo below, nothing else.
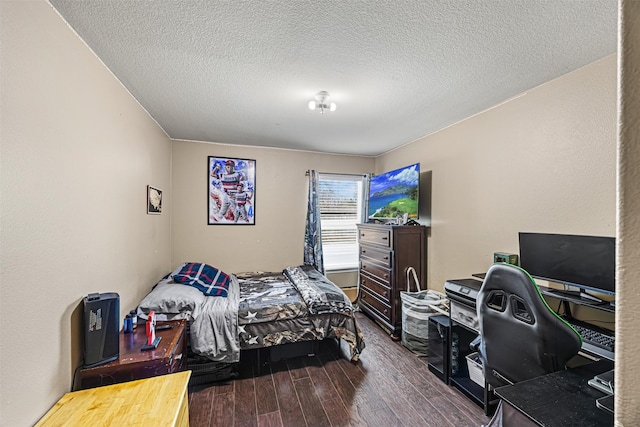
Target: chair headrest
(511, 279)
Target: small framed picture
(154, 200)
(231, 191)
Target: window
(341, 208)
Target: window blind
(341, 208)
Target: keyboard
(596, 342)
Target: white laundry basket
(417, 307)
(474, 364)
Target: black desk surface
(561, 399)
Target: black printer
(463, 291)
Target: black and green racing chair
(520, 336)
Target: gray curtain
(313, 235)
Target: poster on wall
(231, 192)
(154, 200)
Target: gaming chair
(520, 336)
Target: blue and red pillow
(209, 280)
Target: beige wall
(543, 162)
(627, 400)
(77, 153)
(276, 240)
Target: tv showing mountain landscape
(394, 193)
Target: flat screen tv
(394, 193)
(585, 262)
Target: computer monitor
(585, 262)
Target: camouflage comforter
(272, 310)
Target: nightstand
(134, 364)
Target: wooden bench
(157, 402)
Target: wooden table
(154, 402)
(134, 364)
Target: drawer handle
(364, 296)
(385, 238)
(364, 252)
(385, 293)
(364, 266)
(386, 276)
(386, 258)
(386, 311)
(362, 282)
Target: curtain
(313, 235)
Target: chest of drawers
(386, 251)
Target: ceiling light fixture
(322, 102)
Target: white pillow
(169, 297)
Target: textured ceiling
(243, 72)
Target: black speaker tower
(101, 328)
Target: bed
(255, 310)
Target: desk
(157, 402)
(560, 399)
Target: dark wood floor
(389, 386)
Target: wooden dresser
(386, 251)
